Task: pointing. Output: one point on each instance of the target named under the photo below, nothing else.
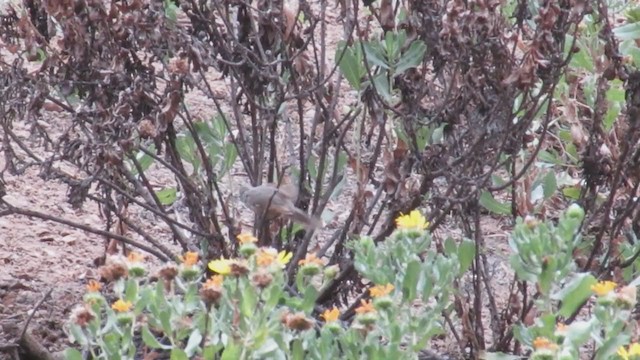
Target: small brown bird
(280, 202)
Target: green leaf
(410, 280)
(72, 354)
(210, 351)
(412, 58)
(488, 202)
(572, 192)
(269, 346)
(150, 340)
(232, 351)
(575, 293)
(167, 196)
(450, 246)
(611, 116)
(112, 344)
(131, 290)
(391, 45)
(549, 157)
(350, 65)
(381, 84)
(374, 56)
(144, 160)
(310, 296)
(549, 184)
(466, 254)
(230, 156)
(78, 336)
(298, 351)
(628, 32)
(165, 321)
(178, 354)
(610, 346)
(522, 334)
(194, 342)
(579, 332)
(248, 302)
(170, 10)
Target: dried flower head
(82, 315)
(261, 279)
(211, 291)
(114, 270)
(168, 272)
(239, 268)
(298, 321)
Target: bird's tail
(309, 222)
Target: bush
(247, 310)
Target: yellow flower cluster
(122, 306)
(412, 221)
(331, 315)
(246, 238)
(381, 290)
(366, 306)
(627, 353)
(190, 258)
(602, 288)
(544, 343)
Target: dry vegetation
(134, 122)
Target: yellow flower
(602, 288)
(284, 257)
(414, 220)
(190, 258)
(623, 353)
(121, 306)
(311, 259)
(135, 257)
(331, 315)
(544, 343)
(634, 350)
(222, 266)
(366, 307)
(93, 286)
(214, 282)
(381, 290)
(267, 256)
(246, 238)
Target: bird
(280, 202)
